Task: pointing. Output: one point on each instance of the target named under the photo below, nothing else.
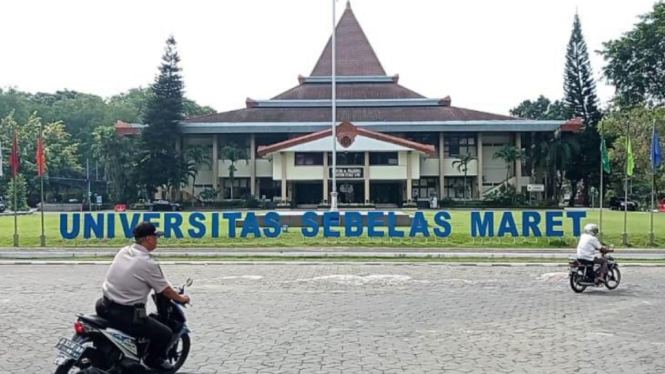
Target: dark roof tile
(385, 114)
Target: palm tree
(554, 154)
(194, 157)
(233, 153)
(463, 166)
(510, 154)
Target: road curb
(387, 263)
(102, 256)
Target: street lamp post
(333, 195)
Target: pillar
(409, 183)
(441, 167)
(175, 192)
(325, 177)
(366, 174)
(284, 166)
(252, 163)
(480, 166)
(518, 164)
(215, 162)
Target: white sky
(487, 55)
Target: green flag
(631, 159)
(605, 157)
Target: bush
(252, 203)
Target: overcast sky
(487, 55)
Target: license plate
(70, 348)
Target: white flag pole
(333, 197)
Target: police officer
(133, 273)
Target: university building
(393, 145)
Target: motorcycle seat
(585, 262)
(95, 320)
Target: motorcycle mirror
(189, 282)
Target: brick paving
(354, 318)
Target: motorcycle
(583, 273)
(97, 348)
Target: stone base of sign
(294, 219)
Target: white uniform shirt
(133, 273)
(587, 246)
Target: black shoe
(159, 364)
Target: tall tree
(115, 153)
(635, 64)
(61, 152)
(641, 122)
(550, 155)
(541, 109)
(160, 162)
(581, 101)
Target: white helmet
(591, 229)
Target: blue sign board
(198, 225)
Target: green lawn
(638, 232)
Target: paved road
(365, 319)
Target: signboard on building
(535, 187)
(350, 173)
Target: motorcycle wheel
(614, 278)
(574, 279)
(180, 357)
(64, 368)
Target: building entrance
(308, 192)
(387, 192)
(350, 192)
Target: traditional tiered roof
(366, 96)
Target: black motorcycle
(584, 273)
(97, 348)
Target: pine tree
(159, 162)
(581, 101)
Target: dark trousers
(603, 265)
(121, 317)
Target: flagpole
(42, 168)
(15, 175)
(602, 171)
(625, 202)
(653, 178)
(333, 197)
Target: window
(240, 142)
(308, 158)
(454, 187)
(348, 158)
(241, 188)
(424, 188)
(427, 138)
(383, 158)
(459, 144)
(268, 139)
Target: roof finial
(348, 4)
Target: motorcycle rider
(587, 246)
(131, 276)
